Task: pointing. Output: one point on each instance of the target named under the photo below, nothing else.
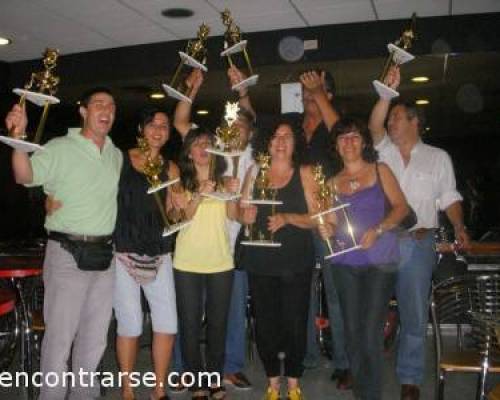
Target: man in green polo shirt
(81, 170)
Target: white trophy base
(188, 60)
(39, 99)
(399, 56)
(338, 253)
(222, 153)
(330, 210)
(260, 243)
(222, 196)
(263, 202)
(162, 186)
(250, 81)
(234, 49)
(176, 94)
(384, 91)
(20, 145)
(175, 228)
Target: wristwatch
(379, 230)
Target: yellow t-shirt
(203, 247)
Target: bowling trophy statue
(40, 90)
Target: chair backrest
(465, 300)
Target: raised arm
(16, 122)
(376, 123)
(315, 83)
(182, 115)
(236, 76)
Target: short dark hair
(350, 124)
(412, 111)
(85, 97)
(261, 140)
(329, 80)
(146, 115)
(186, 165)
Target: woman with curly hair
(280, 278)
(203, 262)
(366, 277)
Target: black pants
(364, 294)
(280, 307)
(192, 292)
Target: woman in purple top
(365, 277)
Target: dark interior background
(460, 55)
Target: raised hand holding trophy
(398, 55)
(227, 144)
(266, 195)
(195, 56)
(45, 83)
(233, 44)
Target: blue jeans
(418, 261)
(236, 324)
(177, 362)
(339, 356)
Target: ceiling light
(177, 13)
(427, 129)
(202, 112)
(5, 41)
(422, 102)
(157, 95)
(420, 79)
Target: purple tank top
(366, 210)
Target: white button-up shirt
(428, 181)
(244, 163)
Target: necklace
(354, 184)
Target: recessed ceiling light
(427, 129)
(422, 102)
(177, 13)
(420, 79)
(157, 95)
(5, 41)
(202, 112)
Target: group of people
(99, 195)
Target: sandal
(218, 393)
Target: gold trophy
(45, 83)
(227, 144)
(398, 55)
(195, 56)
(265, 196)
(152, 169)
(234, 45)
(328, 202)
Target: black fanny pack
(90, 253)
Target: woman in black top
(143, 257)
(280, 278)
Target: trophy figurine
(328, 202)
(227, 144)
(265, 196)
(195, 56)
(234, 45)
(152, 169)
(398, 55)
(39, 90)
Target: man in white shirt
(426, 176)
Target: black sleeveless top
(296, 254)
(139, 224)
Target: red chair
(9, 330)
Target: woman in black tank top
(280, 278)
(142, 258)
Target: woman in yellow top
(203, 263)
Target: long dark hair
(186, 164)
(261, 140)
(350, 124)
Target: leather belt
(417, 234)
(58, 236)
